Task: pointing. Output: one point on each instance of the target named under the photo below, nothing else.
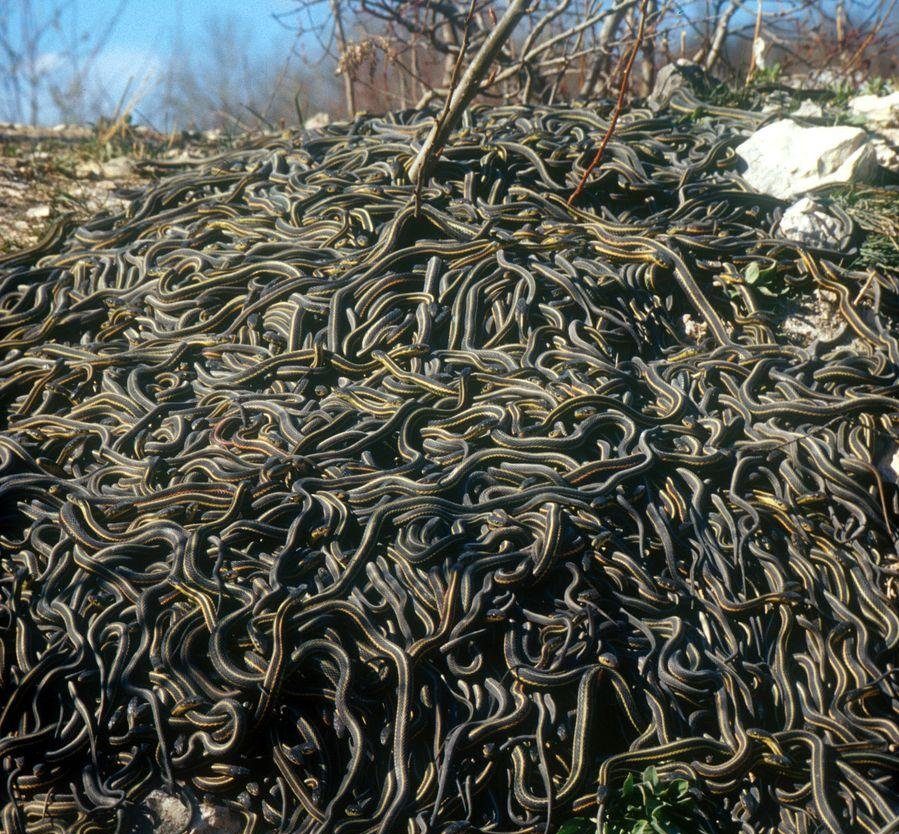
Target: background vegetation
(373, 55)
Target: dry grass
(78, 170)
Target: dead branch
(467, 89)
(347, 72)
(868, 40)
(441, 118)
(616, 112)
(613, 20)
(720, 34)
(755, 39)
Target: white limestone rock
(786, 160)
(317, 121)
(169, 814)
(674, 77)
(777, 101)
(889, 464)
(886, 148)
(116, 168)
(808, 223)
(694, 328)
(217, 819)
(877, 111)
(808, 110)
(88, 169)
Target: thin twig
(348, 91)
(865, 286)
(616, 112)
(253, 111)
(467, 88)
(870, 37)
(755, 39)
(453, 81)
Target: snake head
(607, 659)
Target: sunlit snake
(358, 520)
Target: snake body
(363, 520)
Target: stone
(886, 148)
(777, 101)
(117, 168)
(786, 160)
(888, 465)
(809, 223)
(680, 75)
(217, 819)
(88, 169)
(877, 111)
(694, 328)
(318, 121)
(178, 155)
(38, 212)
(171, 814)
(808, 110)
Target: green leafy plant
(764, 280)
(876, 86)
(876, 212)
(878, 251)
(840, 92)
(769, 75)
(645, 805)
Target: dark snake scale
(358, 520)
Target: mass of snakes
(358, 516)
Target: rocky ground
(82, 170)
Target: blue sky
(146, 34)
(146, 26)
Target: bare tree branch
(720, 34)
(616, 112)
(345, 70)
(467, 89)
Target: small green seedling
(761, 279)
(645, 805)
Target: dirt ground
(79, 170)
